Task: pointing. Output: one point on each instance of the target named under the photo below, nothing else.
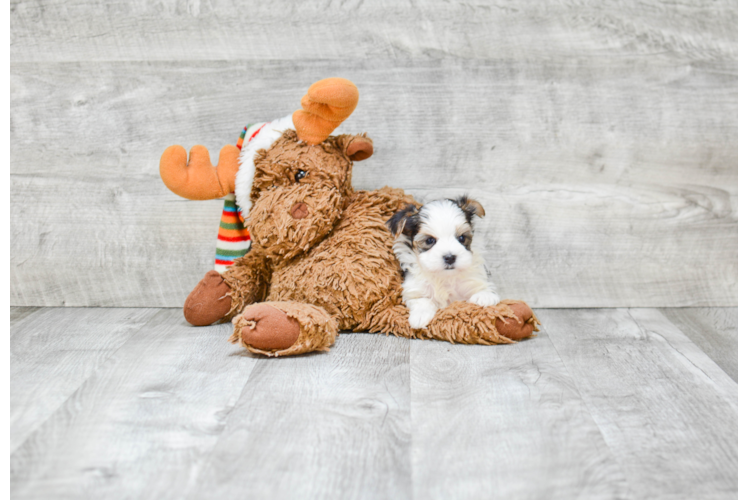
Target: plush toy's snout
(299, 211)
(286, 226)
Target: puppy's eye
(430, 240)
(300, 175)
(461, 239)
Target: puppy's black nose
(450, 259)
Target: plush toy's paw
(284, 328)
(209, 301)
(485, 298)
(517, 330)
(468, 323)
(268, 328)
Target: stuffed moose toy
(321, 257)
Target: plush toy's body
(321, 258)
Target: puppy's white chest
(448, 292)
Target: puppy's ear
(470, 207)
(397, 223)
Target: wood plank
(666, 410)
(143, 424)
(54, 351)
(152, 254)
(301, 30)
(713, 329)
(627, 120)
(504, 422)
(549, 245)
(329, 425)
(742, 446)
(742, 306)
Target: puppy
(433, 245)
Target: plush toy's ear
(470, 207)
(360, 148)
(398, 221)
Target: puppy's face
(440, 233)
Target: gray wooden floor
(604, 403)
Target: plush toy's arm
(249, 279)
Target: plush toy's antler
(199, 179)
(326, 104)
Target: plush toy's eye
(461, 239)
(430, 240)
(300, 175)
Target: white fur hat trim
(266, 135)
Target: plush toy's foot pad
(268, 328)
(284, 328)
(209, 301)
(520, 327)
(468, 323)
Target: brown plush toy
(321, 258)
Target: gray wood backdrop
(601, 137)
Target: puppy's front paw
(421, 318)
(485, 298)
(420, 312)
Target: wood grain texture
(302, 30)
(327, 425)
(625, 120)
(742, 446)
(665, 409)
(742, 306)
(18, 314)
(713, 329)
(143, 424)
(150, 253)
(504, 422)
(54, 351)
(555, 245)
(607, 403)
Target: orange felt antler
(326, 105)
(199, 179)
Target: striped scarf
(233, 238)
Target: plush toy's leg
(467, 323)
(462, 322)
(284, 328)
(220, 297)
(389, 319)
(209, 301)
(249, 280)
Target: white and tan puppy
(434, 247)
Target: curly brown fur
(249, 280)
(467, 323)
(351, 271)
